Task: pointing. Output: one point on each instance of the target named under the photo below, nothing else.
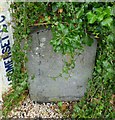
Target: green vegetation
(72, 24)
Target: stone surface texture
(43, 64)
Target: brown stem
(38, 24)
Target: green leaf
(65, 69)
(100, 17)
(58, 48)
(99, 10)
(80, 13)
(91, 17)
(88, 41)
(107, 22)
(113, 10)
(110, 38)
(66, 31)
(32, 77)
(108, 10)
(60, 104)
(105, 64)
(61, 26)
(54, 8)
(4, 29)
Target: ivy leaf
(107, 22)
(99, 10)
(113, 10)
(66, 31)
(91, 17)
(108, 10)
(80, 13)
(100, 18)
(105, 64)
(88, 40)
(60, 104)
(4, 29)
(110, 38)
(61, 26)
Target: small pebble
(34, 102)
(24, 104)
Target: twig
(38, 24)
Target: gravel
(32, 109)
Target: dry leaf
(64, 107)
(112, 101)
(60, 10)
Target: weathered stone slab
(43, 62)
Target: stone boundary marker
(6, 42)
(44, 63)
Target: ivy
(4, 29)
(73, 25)
(97, 102)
